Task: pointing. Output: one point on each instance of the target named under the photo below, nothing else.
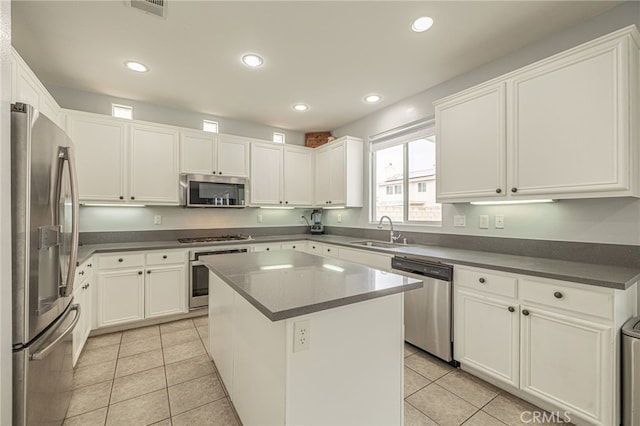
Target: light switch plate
(483, 221)
(259, 218)
(157, 220)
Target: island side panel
(352, 372)
(258, 366)
(221, 298)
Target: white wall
(104, 219)
(603, 220)
(5, 214)
(101, 104)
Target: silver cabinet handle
(42, 353)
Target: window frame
(399, 136)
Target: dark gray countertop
(612, 276)
(287, 283)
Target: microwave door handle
(66, 154)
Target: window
(210, 126)
(403, 174)
(122, 111)
(278, 137)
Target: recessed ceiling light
(252, 60)
(301, 107)
(422, 24)
(372, 99)
(136, 66)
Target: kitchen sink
(379, 244)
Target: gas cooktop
(219, 238)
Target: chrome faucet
(392, 235)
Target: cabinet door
(266, 174)
(470, 152)
(78, 337)
(486, 335)
(338, 173)
(120, 297)
(165, 291)
(197, 152)
(298, 176)
(154, 165)
(323, 177)
(233, 156)
(100, 152)
(570, 124)
(568, 362)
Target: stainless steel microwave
(212, 191)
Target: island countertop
(286, 283)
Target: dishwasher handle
(437, 271)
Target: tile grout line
(166, 381)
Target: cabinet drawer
(485, 282)
(585, 301)
(165, 257)
(298, 245)
(121, 260)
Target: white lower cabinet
(551, 342)
(120, 297)
(164, 291)
(83, 296)
(133, 286)
(568, 361)
(495, 352)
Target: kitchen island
(304, 339)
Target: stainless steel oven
(199, 274)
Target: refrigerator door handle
(41, 354)
(66, 154)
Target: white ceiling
(327, 54)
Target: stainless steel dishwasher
(427, 310)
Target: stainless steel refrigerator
(44, 216)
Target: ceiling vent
(154, 7)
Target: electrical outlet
(157, 220)
(259, 218)
(459, 221)
(484, 221)
(301, 335)
(339, 217)
(499, 220)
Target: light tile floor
(163, 375)
(158, 375)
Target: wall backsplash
(105, 219)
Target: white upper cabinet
(564, 127)
(339, 169)
(281, 174)
(266, 174)
(471, 157)
(154, 164)
(570, 122)
(197, 152)
(299, 166)
(26, 88)
(100, 144)
(212, 153)
(123, 162)
(232, 156)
